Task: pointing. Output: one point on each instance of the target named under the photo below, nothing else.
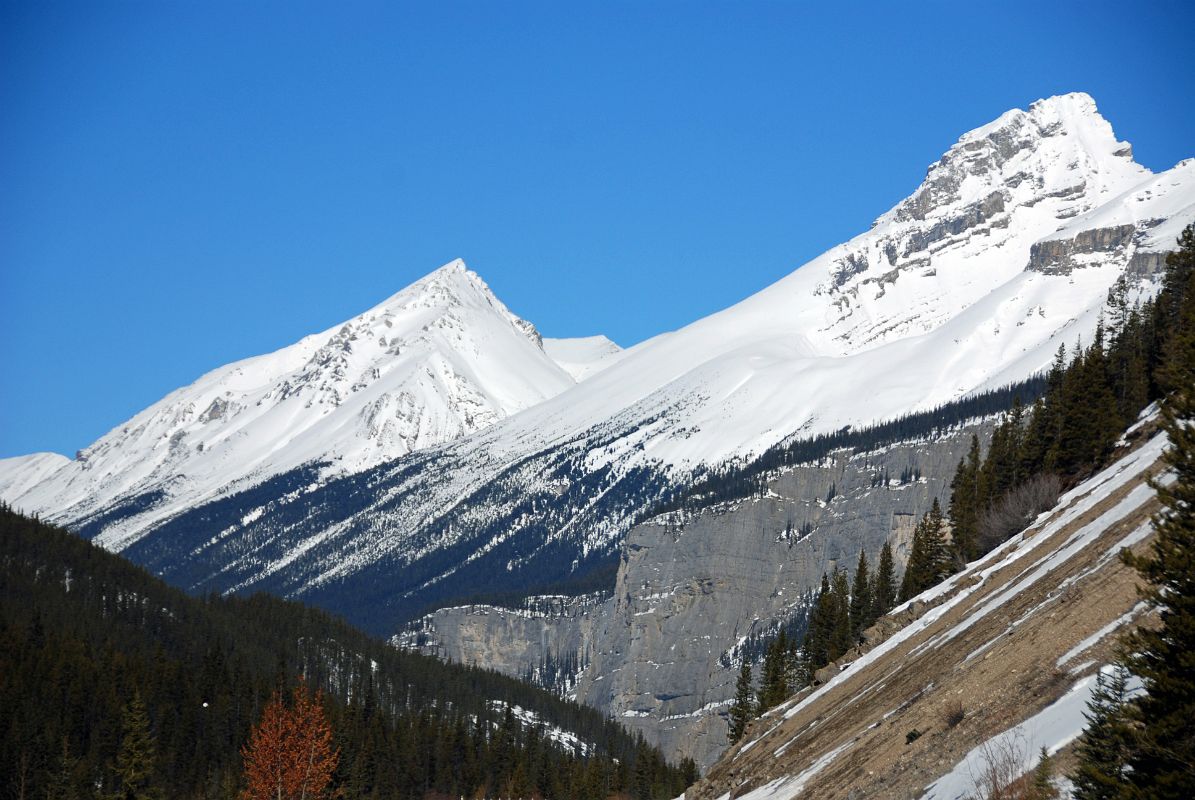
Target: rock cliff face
(1061, 256)
(662, 653)
(548, 639)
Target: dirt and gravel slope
(1012, 637)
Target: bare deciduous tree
(1016, 510)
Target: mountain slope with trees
(115, 684)
(978, 657)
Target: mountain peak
(453, 286)
(1061, 146)
(453, 280)
(1073, 114)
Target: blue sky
(185, 183)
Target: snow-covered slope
(440, 359)
(942, 296)
(1007, 249)
(583, 356)
(19, 475)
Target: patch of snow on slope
(1053, 728)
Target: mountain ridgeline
(436, 448)
(86, 638)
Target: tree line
(738, 481)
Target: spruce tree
(861, 602)
(821, 623)
(965, 502)
(744, 704)
(62, 782)
(915, 568)
(931, 558)
(939, 563)
(884, 594)
(1041, 786)
(1172, 301)
(773, 687)
(136, 762)
(1107, 742)
(1047, 433)
(841, 639)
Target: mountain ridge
(957, 289)
(439, 359)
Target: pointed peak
(452, 284)
(453, 272)
(456, 265)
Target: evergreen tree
(744, 704)
(939, 563)
(916, 567)
(821, 625)
(884, 594)
(773, 687)
(1173, 302)
(1041, 786)
(63, 783)
(1047, 427)
(965, 502)
(861, 600)
(800, 673)
(931, 557)
(136, 762)
(1163, 765)
(1107, 742)
(841, 638)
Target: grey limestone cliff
(661, 655)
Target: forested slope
(83, 632)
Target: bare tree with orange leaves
(289, 755)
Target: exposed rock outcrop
(1061, 256)
(661, 654)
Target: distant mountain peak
(452, 286)
(441, 358)
(1060, 146)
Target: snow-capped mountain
(1007, 249)
(440, 359)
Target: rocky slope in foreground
(1013, 642)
